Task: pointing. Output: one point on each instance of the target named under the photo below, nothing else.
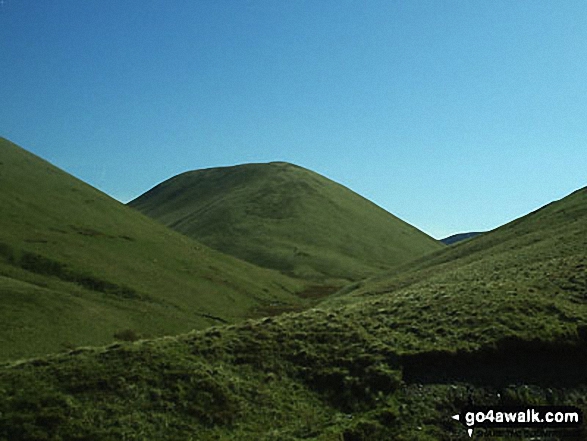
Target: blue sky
(453, 115)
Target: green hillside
(524, 251)
(77, 267)
(499, 319)
(282, 216)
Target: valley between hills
(267, 302)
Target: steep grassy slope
(501, 319)
(285, 217)
(525, 252)
(77, 267)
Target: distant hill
(77, 267)
(458, 237)
(499, 320)
(282, 216)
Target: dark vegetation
(498, 319)
(42, 265)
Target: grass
(77, 267)
(282, 216)
(499, 319)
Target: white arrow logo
(458, 418)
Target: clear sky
(453, 115)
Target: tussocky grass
(500, 319)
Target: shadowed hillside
(498, 320)
(459, 237)
(77, 267)
(285, 217)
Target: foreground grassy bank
(321, 374)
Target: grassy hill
(282, 216)
(499, 319)
(77, 267)
(459, 237)
(536, 243)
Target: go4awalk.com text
(513, 418)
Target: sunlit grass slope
(541, 252)
(501, 319)
(282, 216)
(76, 267)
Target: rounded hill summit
(283, 216)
